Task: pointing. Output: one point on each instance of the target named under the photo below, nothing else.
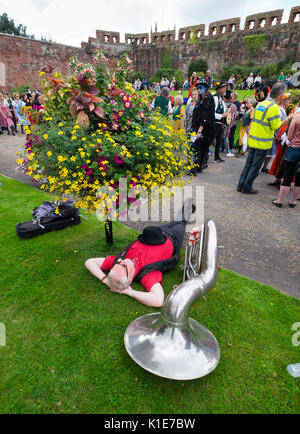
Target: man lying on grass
(157, 250)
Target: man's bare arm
(154, 298)
(94, 266)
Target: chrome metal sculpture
(170, 344)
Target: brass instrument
(170, 344)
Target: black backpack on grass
(50, 216)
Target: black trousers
(176, 232)
(289, 170)
(201, 147)
(219, 136)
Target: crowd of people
(13, 113)
(266, 131)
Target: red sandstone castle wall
(22, 59)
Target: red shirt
(145, 255)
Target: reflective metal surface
(170, 344)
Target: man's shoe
(239, 190)
(249, 192)
(205, 166)
(219, 160)
(229, 154)
(265, 170)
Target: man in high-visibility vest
(265, 122)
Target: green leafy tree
(199, 65)
(7, 25)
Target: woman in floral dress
(19, 106)
(5, 116)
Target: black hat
(202, 82)
(153, 236)
(228, 94)
(220, 84)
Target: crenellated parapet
(224, 27)
(105, 37)
(264, 20)
(137, 38)
(110, 41)
(294, 14)
(163, 38)
(191, 32)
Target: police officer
(265, 122)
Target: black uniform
(204, 115)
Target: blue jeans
(292, 154)
(250, 172)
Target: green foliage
(20, 89)
(240, 71)
(166, 62)
(269, 70)
(132, 75)
(199, 65)
(7, 25)
(254, 43)
(167, 73)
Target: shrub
(269, 71)
(167, 73)
(96, 130)
(199, 65)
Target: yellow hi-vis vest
(265, 122)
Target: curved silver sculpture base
(178, 353)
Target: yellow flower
(73, 158)
(49, 153)
(60, 133)
(45, 136)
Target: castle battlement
(110, 41)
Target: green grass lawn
(242, 93)
(65, 353)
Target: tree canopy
(7, 25)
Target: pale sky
(71, 22)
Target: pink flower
(88, 172)
(142, 115)
(118, 160)
(127, 105)
(115, 126)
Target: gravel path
(256, 239)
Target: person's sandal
(292, 205)
(279, 205)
